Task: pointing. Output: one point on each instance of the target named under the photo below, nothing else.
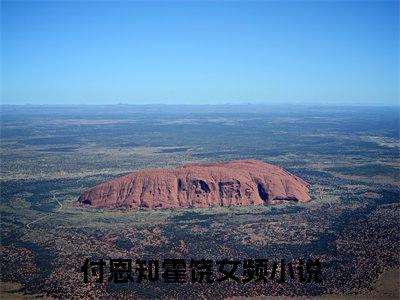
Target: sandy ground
(386, 287)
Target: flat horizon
(218, 104)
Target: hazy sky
(200, 52)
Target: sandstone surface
(230, 183)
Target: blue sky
(317, 52)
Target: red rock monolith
(231, 183)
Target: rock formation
(231, 183)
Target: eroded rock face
(232, 183)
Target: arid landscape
(51, 155)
